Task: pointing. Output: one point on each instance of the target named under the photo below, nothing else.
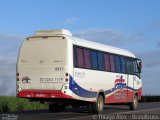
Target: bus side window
(118, 64)
(112, 62)
(129, 63)
(94, 62)
(80, 57)
(123, 64)
(100, 60)
(75, 56)
(87, 60)
(107, 63)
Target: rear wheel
(98, 106)
(134, 105)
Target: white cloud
(114, 37)
(150, 78)
(158, 44)
(7, 75)
(155, 25)
(70, 20)
(150, 72)
(9, 47)
(9, 44)
(8, 37)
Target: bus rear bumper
(42, 94)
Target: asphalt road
(120, 112)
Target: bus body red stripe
(42, 94)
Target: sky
(133, 25)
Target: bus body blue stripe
(79, 91)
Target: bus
(60, 70)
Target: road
(110, 112)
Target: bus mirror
(140, 67)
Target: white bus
(56, 68)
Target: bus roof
(53, 32)
(84, 43)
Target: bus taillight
(66, 74)
(17, 74)
(17, 79)
(66, 79)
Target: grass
(14, 104)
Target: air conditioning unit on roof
(53, 32)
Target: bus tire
(134, 105)
(98, 106)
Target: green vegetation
(150, 98)
(13, 104)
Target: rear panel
(42, 64)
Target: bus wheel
(54, 108)
(98, 106)
(134, 105)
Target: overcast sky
(129, 24)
